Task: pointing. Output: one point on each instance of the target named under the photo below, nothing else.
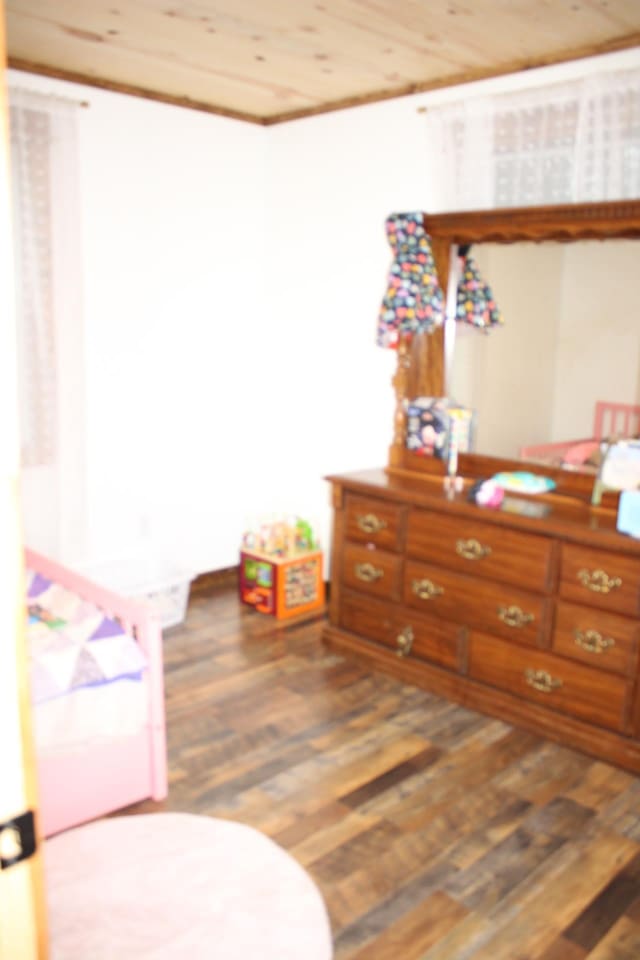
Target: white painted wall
(174, 272)
(232, 276)
(333, 181)
(598, 355)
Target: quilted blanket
(73, 644)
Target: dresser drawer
(370, 618)
(368, 520)
(610, 581)
(374, 571)
(481, 549)
(602, 640)
(592, 695)
(411, 635)
(496, 607)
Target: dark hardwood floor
(434, 833)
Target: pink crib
(619, 420)
(107, 771)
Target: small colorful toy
(281, 538)
(522, 481)
(281, 569)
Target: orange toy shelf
(284, 587)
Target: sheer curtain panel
(44, 176)
(570, 142)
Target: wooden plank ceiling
(272, 60)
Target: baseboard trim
(204, 583)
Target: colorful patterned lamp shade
(413, 301)
(475, 304)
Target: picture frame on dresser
(530, 616)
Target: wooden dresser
(530, 612)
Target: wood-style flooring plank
(562, 949)
(415, 931)
(550, 899)
(433, 832)
(622, 942)
(606, 908)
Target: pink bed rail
(610, 420)
(87, 784)
(616, 420)
(549, 452)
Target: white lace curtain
(44, 186)
(572, 142)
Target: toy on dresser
(435, 425)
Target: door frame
(23, 927)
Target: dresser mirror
(563, 278)
(571, 338)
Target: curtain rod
(16, 88)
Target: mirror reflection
(571, 337)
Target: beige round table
(174, 886)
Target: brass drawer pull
(472, 549)
(541, 680)
(404, 642)
(369, 523)
(426, 589)
(368, 573)
(592, 641)
(598, 581)
(514, 616)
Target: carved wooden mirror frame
(421, 362)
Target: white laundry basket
(169, 597)
(165, 589)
